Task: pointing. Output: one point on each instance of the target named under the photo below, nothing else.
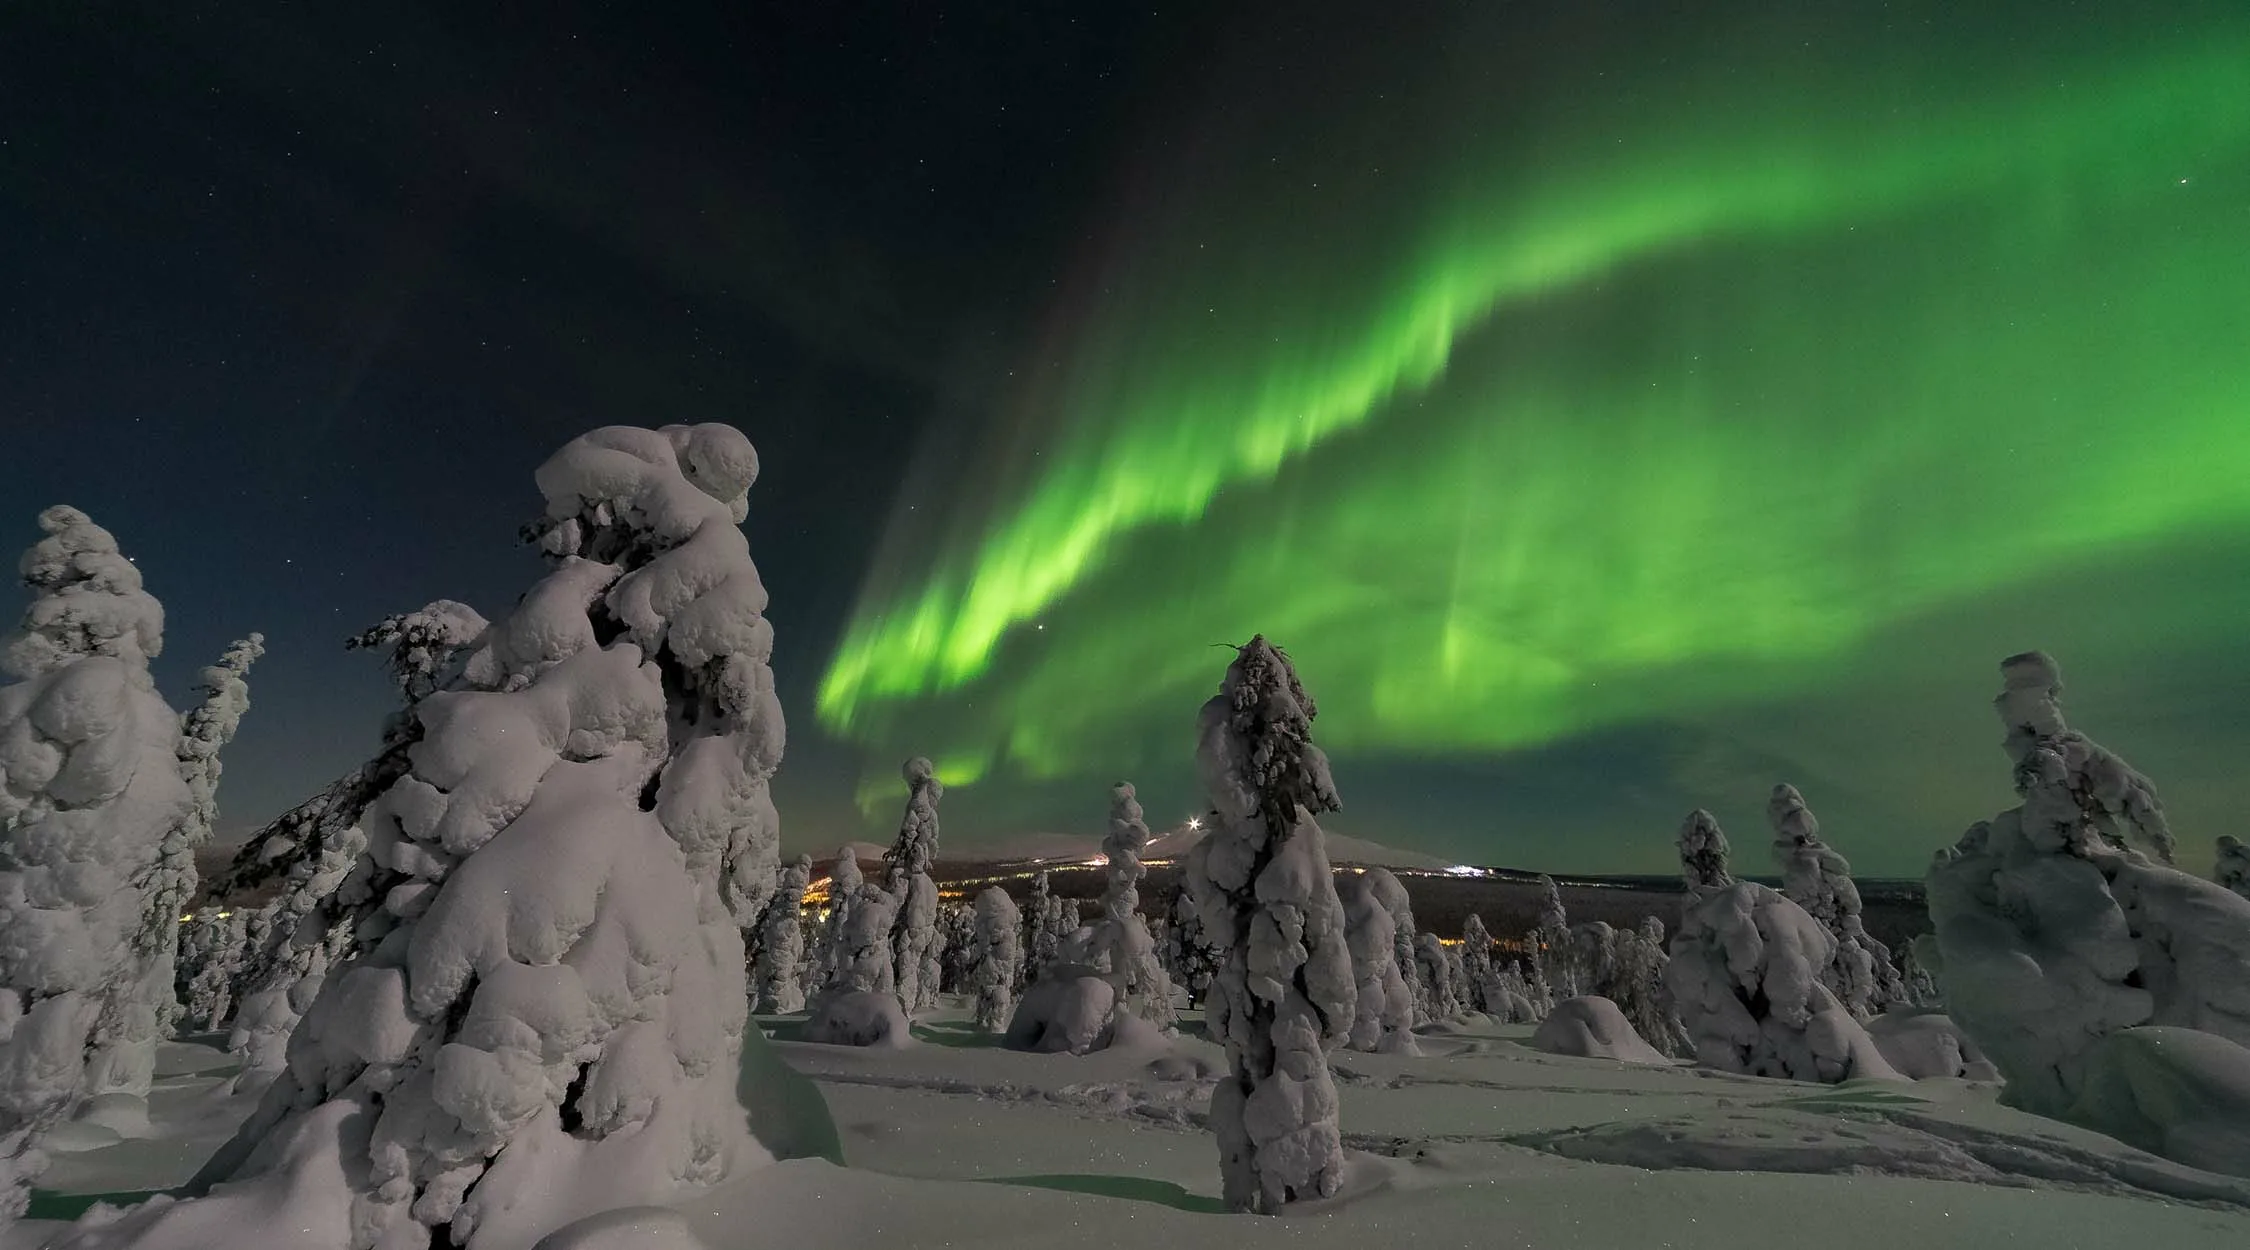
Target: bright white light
(1464, 870)
(1195, 822)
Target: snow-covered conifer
(1745, 978)
(90, 786)
(1190, 960)
(1479, 985)
(1437, 973)
(1819, 880)
(1638, 987)
(1703, 852)
(2098, 981)
(545, 1014)
(224, 942)
(844, 881)
(1551, 944)
(2233, 868)
(126, 1062)
(422, 644)
(1392, 895)
(1130, 954)
(1264, 890)
(998, 950)
(1041, 913)
(778, 973)
(1383, 1008)
(916, 942)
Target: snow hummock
(1591, 1027)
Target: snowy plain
(1480, 1141)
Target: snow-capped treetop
(1814, 875)
(1257, 748)
(664, 507)
(1552, 917)
(1128, 833)
(1475, 938)
(211, 724)
(2111, 798)
(1703, 852)
(844, 876)
(422, 642)
(86, 600)
(2233, 869)
(917, 844)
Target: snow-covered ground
(1480, 1141)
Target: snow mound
(1591, 1027)
(1067, 1010)
(2180, 1093)
(1923, 1042)
(627, 1228)
(857, 1018)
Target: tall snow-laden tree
(1437, 973)
(1383, 1008)
(90, 786)
(1703, 852)
(1479, 988)
(2233, 868)
(778, 973)
(997, 964)
(844, 882)
(1190, 960)
(1042, 913)
(1284, 994)
(210, 996)
(1393, 896)
(307, 852)
(2100, 981)
(1129, 953)
(1819, 880)
(546, 1017)
(124, 1067)
(916, 942)
(1638, 988)
(1550, 942)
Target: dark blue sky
(293, 298)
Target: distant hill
(1073, 848)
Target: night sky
(1614, 408)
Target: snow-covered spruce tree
(2233, 867)
(844, 881)
(210, 997)
(89, 788)
(2103, 985)
(310, 849)
(997, 964)
(1393, 896)
(861, 960)
(1479, 986)
(1041, 913)
(1128, 952)
(1551, 947)
(1383, 1009)
(957, 926)
(1744, 976)
(778, 973)
(1638, 988)
(1703, 852)
(1284, 995)
(916, 942)
(1190, 961)
(547, 1017)
(1515, 1001)
(1437, 973)
(1819, 880)
(121, 1070)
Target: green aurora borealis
(1726, 389)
